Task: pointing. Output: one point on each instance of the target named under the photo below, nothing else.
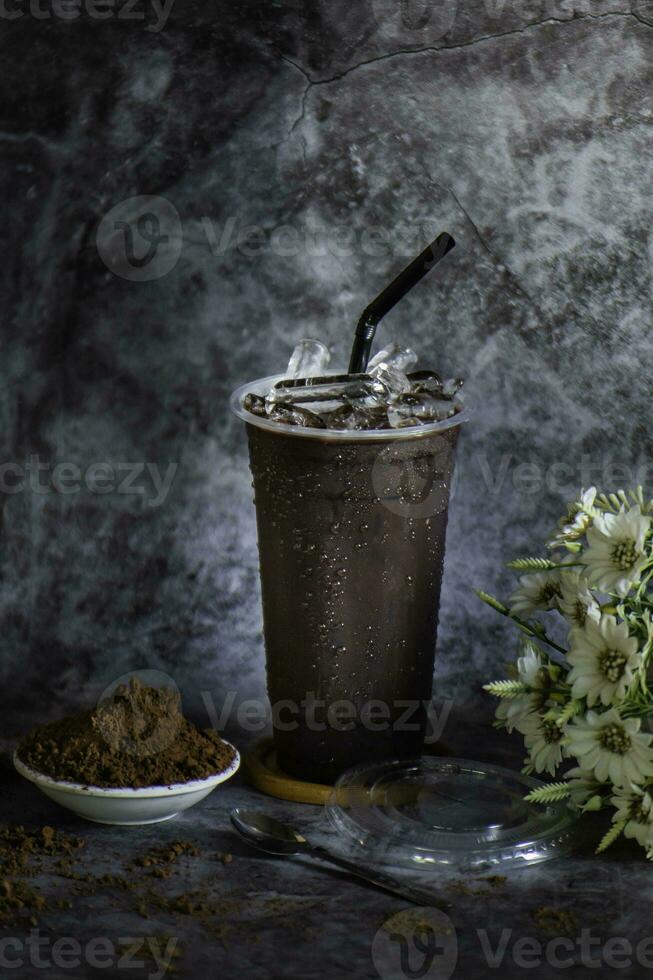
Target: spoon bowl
(266, 833)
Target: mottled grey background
(523, 129)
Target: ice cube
(451, 386)
(343, 388)
(346, 416)
(309, 358)
(375, 418)
(395, 355)
(254, 404)
(423, 407)
(426, 381)
(356, 417)
(294, 415)
(394, 380)
(401, 422)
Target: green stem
(538, 634)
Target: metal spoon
(275, 837)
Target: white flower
(612, 747)
(539, 590)
(583, 788)
(603, 656)
(532, 673)
(576, 602)
(576, 521)
(635, 806)
(615, 556)
(543, 739)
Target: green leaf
(532, 564)
(491, 601)
(568, 712)
(549, 794)
(615, 830)
(575, 547)
(505, 689)
(594, 803)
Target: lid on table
(455, 812)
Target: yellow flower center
(637, 811)
(549, 592)
(550, 731)
(612, 664)
(615, 739)
(625, 554)
(580, 612)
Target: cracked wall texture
(522, 129)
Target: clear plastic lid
(430, 812)
(263, 385)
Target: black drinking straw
(372, 314)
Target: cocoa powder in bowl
(137, 737)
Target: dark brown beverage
(351, 536)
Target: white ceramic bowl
(126, 807)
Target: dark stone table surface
(524, 129)
(264, 918)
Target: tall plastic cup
(351, 533)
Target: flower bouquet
(588, 702)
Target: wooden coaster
(261, 771)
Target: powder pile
(137, 737)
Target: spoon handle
(412, 893)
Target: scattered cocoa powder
(161, 859)
(559, 922)
(20, 848)
(54, 854)
(412, 919)
(22, 853)
(137, 737)
(465, 888)
(497, 881)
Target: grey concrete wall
(348, 137)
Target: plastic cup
(351, 532)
